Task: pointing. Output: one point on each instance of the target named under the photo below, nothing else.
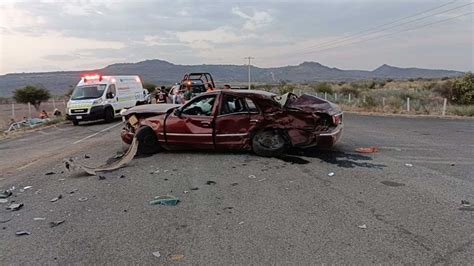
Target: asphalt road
(259, 211)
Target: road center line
(95, 134)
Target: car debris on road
(56, 198)
(22, 233)
(15, 206)
(128, 156)
(5, 194)
(165, 200)
(56, 223)
(367, 150)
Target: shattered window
(232, 104)
(251, 106)
(200, 106)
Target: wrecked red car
(257, 121)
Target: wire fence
(386, 104)
(17, 111)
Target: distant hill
(164, 73)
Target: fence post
(349, 98)
(29, 110)
(335, 96)
(325, 96)
(445, 102)
(316, 94)
(363, 99)
(13, 110)
(383, 101)
(408, 104)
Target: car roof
(249, 92)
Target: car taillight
(337, 119)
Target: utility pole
(249, 58)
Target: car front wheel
(268, 143)
(147, 141)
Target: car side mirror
(109, 95)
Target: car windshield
(88, 92)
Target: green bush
(323, 87)
(350, 90)
(466, 110)
(463, 90)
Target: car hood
(150, 109)
(309, 103)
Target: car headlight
(97, 101)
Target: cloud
(258, 20)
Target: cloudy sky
(351, 34)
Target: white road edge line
(97, 133)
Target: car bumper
(127, 135)
(95, 113)
(328, 139)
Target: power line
(385, 24)
(394, 26)
(370, 31)
(392, 33)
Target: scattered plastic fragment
(465, 203)
(5, 194)
(194, 188)
(177, 257)
(50, 173)
(409, 165)
(126, 158)
(165, 200)
(331, 174)
(263, 179)
(61, 179)
(56, 223)
(56, 198)
(27, 187)
(22, 233)
(252, 176)
(15, 206)
(364, 226)
(39, 219)
(210, 182)
(101, 177)
(121, 176)
(156, 254)
(241, 222)
(73, 191)
(83, 199)
(367, 150)
(185, 192)
(86, 156)
(3, 200)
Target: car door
(233, 122)
(111, 96)
(191, 126)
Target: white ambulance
(102, 97)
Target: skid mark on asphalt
(97, 133)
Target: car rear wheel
(147, 141)
(268, 143)
(109, 115)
